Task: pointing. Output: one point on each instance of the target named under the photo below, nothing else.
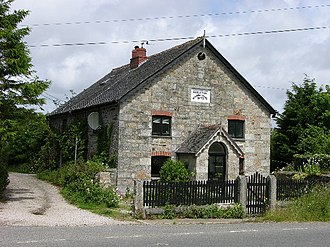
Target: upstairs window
(161, 125)
(236, 128)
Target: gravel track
(32, 202)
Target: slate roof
(201, 136)
(197, 139)
(121, 81)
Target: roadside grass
(312, 206)
(123, 211)
(78, 186)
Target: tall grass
(312, 206)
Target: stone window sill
(165, 137)
(239, 139)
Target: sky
(270, 62)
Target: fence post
(242, 188)
(272, 191)
(138, 199)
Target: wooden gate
(257, 194)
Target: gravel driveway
(32, 202)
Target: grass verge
(123, 211)
(312, 206)
(80, 188)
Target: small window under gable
(236, 127)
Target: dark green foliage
(304, 126)
(208, 212)
(19, 85)
(4, 181)
(312, 164)
(107, 160)
(169, 212)
(235, 211)
(174, 171)
(104, 138)
(48, 153)
(22, 140)
(204, 212)
(74, 135)
(20, 129)
(78, 183)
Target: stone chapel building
(187, 103)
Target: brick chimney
(138, 56)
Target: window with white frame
(161, 125)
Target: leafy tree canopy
(18, 83)
(304, 125)
(23, 138)
(21, 130)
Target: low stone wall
(107, 179)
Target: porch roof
(204, 135)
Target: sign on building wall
(200, 95)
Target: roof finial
(201, 55)
(204, 39)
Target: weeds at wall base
(213, 211)
(312, 206)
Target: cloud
(269, 62)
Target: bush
(78, 185)
(169, 212)
(208, 212)
(4, 181)
(174, 171)
(322, 161)
(205, 212)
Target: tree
(20, 128)
(304, 125)
(19, 84)
(24, 138)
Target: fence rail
(289, 189)
(156, 193)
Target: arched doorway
(217, 162)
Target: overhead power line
(268, 87)
(54, 97)
(181, 16)
(183, 38)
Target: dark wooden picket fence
(288, 189)
(257, 194)
(156, 193)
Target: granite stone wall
(171, 92)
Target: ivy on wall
(104, 138)
(73, 141)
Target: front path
(32, 202)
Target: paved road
(245, 234)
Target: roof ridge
(119, 68)
(193, 41)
